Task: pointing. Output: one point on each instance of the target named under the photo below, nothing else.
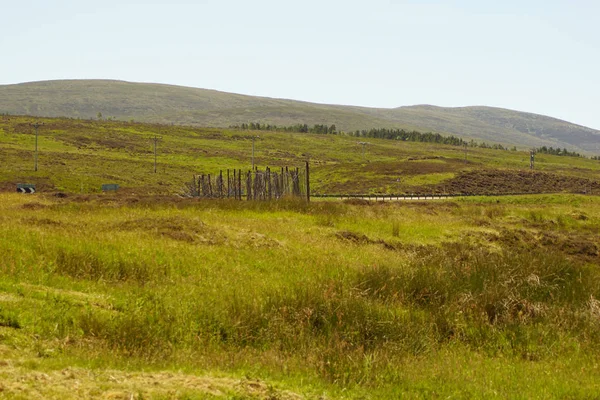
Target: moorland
(145, 294)
(78, 156)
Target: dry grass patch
(74, 383)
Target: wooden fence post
(249, 186)
(239, 184)
(287, 181)
(307, 183)
(267, 184)
(221, 184)
(235, 184)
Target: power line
(253, 138)
(155, 139)
(35, 163)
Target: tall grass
(513, 303)
(116, 279)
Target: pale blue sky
(537, 56)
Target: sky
(528, 55)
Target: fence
(270, 184)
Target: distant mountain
(184, 105)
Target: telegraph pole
(36, 126)
(253, 138)
(363, 148)
(465, 152)
(155, 140)
(532, 159)
(307, 182)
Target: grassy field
(168, 104)
(78, 156)
(142, 294)
(129, 296)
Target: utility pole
(531, 159)
(155, 140)
(36, 126)
(253, 138)
(465, 152)
(307, 182)
(363, 148)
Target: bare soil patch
(489, 182)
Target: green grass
(431, 179)
(473, 298)
(143, 293)
(79, 156)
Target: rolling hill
(161, 103)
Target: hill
(168, 104)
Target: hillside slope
(183, 105)
(81, 155)
(497, 124)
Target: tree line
(398, 134)
(298, 128)
(427, 137)
(558, 152)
